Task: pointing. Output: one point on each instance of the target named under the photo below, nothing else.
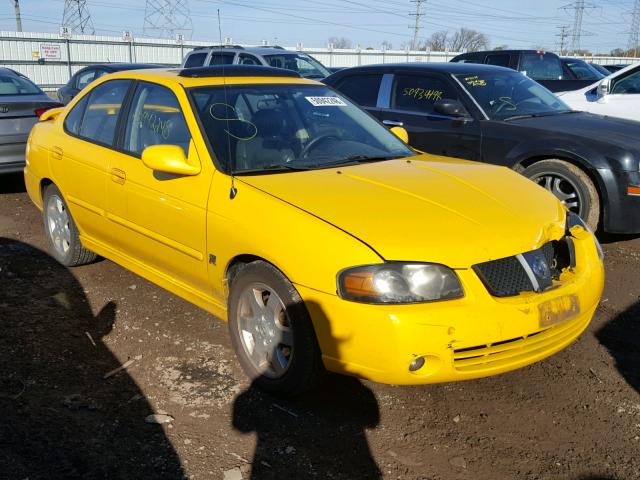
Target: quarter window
(155, 118)
(420, 93)
(362, 89)
(102, 111)
(72, 122)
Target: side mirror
(604, 87)
(168, 159)
(451, 108)
(401, 133)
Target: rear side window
(102, 111)
(362, 89)
(541, 66)
(419, 93)
(195, 60)
(219, 58)
(155, 118)
(72, 122)
(501, 60)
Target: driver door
(625, 95)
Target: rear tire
(571, 185)
(60, 229)
(271, 331)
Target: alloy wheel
(58, 224)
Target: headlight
(573, 220)
(397, 282)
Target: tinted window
(219, 58)
(72, 122)
(582, 70)
(501, 60)
(541, 66)
(248, 60)
(195, 60)
(14, 85)
(85, 78)
(362, 89)
(101, 115)
(628, 84)
(419, 93)
(155, 118)
(305, 65)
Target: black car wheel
(571, 185)
(61, 231)
(271, 331)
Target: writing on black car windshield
(506, 95)
(272, 128)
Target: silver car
(21, 103)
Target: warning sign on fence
(50, 51)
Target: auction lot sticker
(326, 101)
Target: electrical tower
(76, 17)
(634, 33)
(416, 27)
(167, 18)
(578, 7)
(564, 33)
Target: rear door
(411, 99)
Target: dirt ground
(573, 416)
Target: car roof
(274, 50)
(117, 67)
(450, 68)
(9, 71)
(498, 52)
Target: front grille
(506, 277)
(506, 353)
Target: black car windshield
(14, 85)
(303, 64)
(504, 95)
(259, 128)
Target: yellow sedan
(326, 242)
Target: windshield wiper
(537, 115)
(354, 160)
(274, 167)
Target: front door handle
(392, 123)
(118, 176)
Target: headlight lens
(397, 282)
(573, 220)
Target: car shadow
(12, 183)
(620, 336)
(320, 434)
(61, 418)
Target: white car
(617, 95)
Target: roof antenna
(234, 191)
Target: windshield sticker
(422, 94)
(245, 130)
(474, 81)
(326, 101)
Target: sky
(368, 23)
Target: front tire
(571, 185)
(271, 331)
(61, 231)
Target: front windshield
(582, 70)
(306, 66)
(504, 95)
(289, 127)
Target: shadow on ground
(12, 183)
(60, 417)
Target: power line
(167, 18)
(416, 27)
(635, 28)
(76, 17)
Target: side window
(72, 122)
(155, 118)
(222, 58)
(246, 59)
(195, 60)
(362, 89)
(501, 60)
(419, 93)
(85, 78)
(102, 111)
(629, 84)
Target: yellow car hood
(431, 209)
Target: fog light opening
(416, 364)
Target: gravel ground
(573, 416)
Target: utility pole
(76, 17)
(634, 33)
(578, 7)
(564, 33)
(416, 27)
(16, 6)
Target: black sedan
(86, 75)
(493, 114)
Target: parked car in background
(493, 114)
(326, 242)
(600, 68)
(545, 68)
(21, 103)
(582, 70)
(615, 68)
(270, 56)
(618, 95)
(86, 75)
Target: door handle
(56, 153)
(392, 123)
(118, 176)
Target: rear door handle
(392, 123)
(56, 153)
(118, 176)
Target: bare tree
(468, 39)
(437, 41)
(501, 47)
(339, 42)
(386, 45)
